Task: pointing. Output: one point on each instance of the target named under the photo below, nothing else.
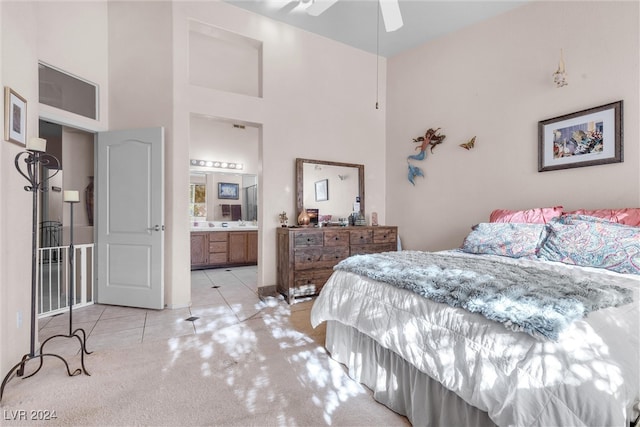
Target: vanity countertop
(229, 228)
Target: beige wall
(15, 247)
(28, 35)
(77, 164)
(211, 139)
(316, 106)
(494, 80)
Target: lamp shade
(71, 196)
(37, 144)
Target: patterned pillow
(592, 242)
(514, 240)
(533, 216)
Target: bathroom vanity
(223, 247)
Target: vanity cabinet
(210, 249)
(306, 256)
(243, 247)
(199, 249)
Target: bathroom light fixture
(216, 164)
(560, 76)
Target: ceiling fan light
(391, 14)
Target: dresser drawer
(336, 238)
(385, 235)
(216, 247)
(360, 237)
(306, 259)
(310, 282)
(314, 238)
(373, 248)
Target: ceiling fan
(389, 8)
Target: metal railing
(53, 278)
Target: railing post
(83, 274)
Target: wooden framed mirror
(330, 187)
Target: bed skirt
(397, 384)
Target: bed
(468, 353)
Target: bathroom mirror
(330, 187)
(206, 205)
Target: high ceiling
(354, 22)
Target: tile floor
(220, 297)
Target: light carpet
(270, 370)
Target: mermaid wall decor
(430, 139)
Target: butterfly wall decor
(469, 144)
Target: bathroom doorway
(223, 192)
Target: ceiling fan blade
(391, 14)
(319, 6)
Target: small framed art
(227, 190)
(322, 190)
(15, 117)
(585, 138)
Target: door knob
(155, 228)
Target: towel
(226, 210)
(236, 212)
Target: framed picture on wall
(15, 117)
(227, 190)
(322, 190)
(585, 138)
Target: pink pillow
(532, 216)
(626, 216)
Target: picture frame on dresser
(585, 138)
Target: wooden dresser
(306, 256)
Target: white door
(130, 218)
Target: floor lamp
(29, 164)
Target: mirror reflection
(210, 200)
(330, 187)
